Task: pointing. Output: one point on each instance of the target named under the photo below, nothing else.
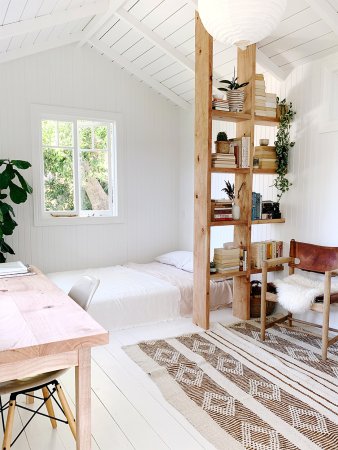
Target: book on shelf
(223, 160)
(265, 102)
(230, 258)
(221, 210)
(240, 147)
(261, 251)
(220, 104)
(256, 209)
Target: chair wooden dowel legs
(9, 426)
(30, 399)
(326, 315)
(263, 300)
(290, 319)
(49, 406)
(67, 411)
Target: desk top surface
(38, 319)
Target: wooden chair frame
(318, 264)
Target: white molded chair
(82, 293)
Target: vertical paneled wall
(81, 78)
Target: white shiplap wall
(81, 78)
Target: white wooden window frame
(46, 112)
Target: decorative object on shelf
(283, 144)
(236, 209)
(266, 156)
(264, 142)
(222, 143)
(240, 22)
(255, 299)
(17, 193)
(229, 189)
(235, 93)
(212, 267)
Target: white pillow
(177, 259)
(189, 266)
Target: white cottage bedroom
(168, 224)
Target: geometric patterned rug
(240, 393)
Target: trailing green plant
(283, 145)
(229, 189)
(222, 136)
(232, 84)
(14, 186)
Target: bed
(136, 294)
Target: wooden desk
(42, 329)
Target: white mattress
(141, 293)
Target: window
(78, 161)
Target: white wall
(81, 78)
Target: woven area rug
(240, 393)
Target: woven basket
(255, 299)
(222, 146)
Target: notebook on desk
(13, 268)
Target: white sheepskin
(296, 293)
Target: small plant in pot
(229, 189)
(222, 143)
(235, 93)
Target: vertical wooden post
(246, 71)
(83, 400)
(203, 135)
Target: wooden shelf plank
(230, 274)
(266, 121)
(270, 269)
(265, 221)
(224, 223)
(224, 170)
(264, 171)
(229, 116)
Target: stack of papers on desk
(12, 269)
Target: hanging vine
(283, 144)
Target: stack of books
(265, 103)
(261, 251)
(220, 104)
(223, 160)
(227, 259)
(256, 211)
(266, 156)
(13, 269)
(240, 147)
(221, 210)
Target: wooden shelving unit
(245, 125)
(264, 171)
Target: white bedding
(220, 291)
(141, 293)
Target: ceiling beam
(326, 12)
(50, 20)
(261, 58)
(112, 55)
(33, 49)
(156, 39)
(99, 21)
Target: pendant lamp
(240, 22)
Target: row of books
(238, 155)
(221, 210)
(265, 157)
(265, 103)
(230, 258)
(261, 251)
(220, 104)
(256, 209)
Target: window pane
(85, 135)
(100, 137)
(58, 179)
(65, 134)
(49, 132)
(94, 181)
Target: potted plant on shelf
(235, 93)
(283, 145)
(222, 143)
(229, 189)
(12, 184)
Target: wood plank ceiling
(153, 40)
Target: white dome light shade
(240, 22)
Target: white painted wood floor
(128, 410)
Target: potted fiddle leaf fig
(15, 188)
(234, 92)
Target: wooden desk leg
(83, 392)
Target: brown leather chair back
(314, 258)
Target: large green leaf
(2, 258)
(5, 207)
(8, 225)
(5, 248)
(3, 196)
(6, 176)
(24, 183)
(21, 164)
(17, 194)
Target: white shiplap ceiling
(154, 39)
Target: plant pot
(236, 100)
(255, 299)
(236, 212)
(222, 146)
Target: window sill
(71, 220)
